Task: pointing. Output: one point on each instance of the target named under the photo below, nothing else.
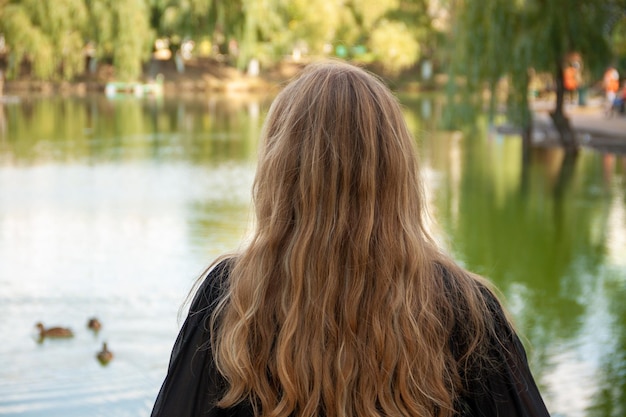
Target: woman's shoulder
(212, 285)
(476, 302)
(456, 279)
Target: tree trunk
(561, 122)
(527, 139)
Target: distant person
(610, 83)
(341, 304)
(570, 81)
(620, 100)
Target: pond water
(112, 208)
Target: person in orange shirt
(570, 80)
(611, 85)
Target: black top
(193, 384)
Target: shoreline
(198, 75)
(170, 87)
(593, 128)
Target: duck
(94, 324)
(105, 355)
(53, 332)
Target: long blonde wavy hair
(341, 304)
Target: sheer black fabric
(193, 385)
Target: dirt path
(593, 128)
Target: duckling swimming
(105, 355)
(53, 332)
(94, 324)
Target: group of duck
(104, 356)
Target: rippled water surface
(111, 208)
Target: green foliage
(52, 35)
(190, 15)
(121, 31)
(618, 40)
(393, 31)
(210, 24)
(312, 23)
(394, 46)
(502, 38)
(49, 34)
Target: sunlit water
(112, 208)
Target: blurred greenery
(50, 35)
(490, 39)
(503, 39)
(56, 39)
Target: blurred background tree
(212, 22)
(47, 35)
(503, 39)
(56, 38)
(618, 41)
(491, 39)
(120, 31)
